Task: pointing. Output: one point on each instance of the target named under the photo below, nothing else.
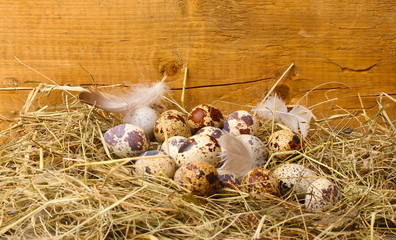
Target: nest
(58, 181)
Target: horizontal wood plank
(234, 50)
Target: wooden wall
(235, 50)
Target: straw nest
(58, 181)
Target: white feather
(137, 96)
(236, 157)
(273, 105)
(297, 119)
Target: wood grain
(235, 50)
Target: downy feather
(118, 102)
(236, 157)
(297, 119)
(273, 105)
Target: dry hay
(58, 181)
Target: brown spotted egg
(228, 180)
(199, 148)
(215, 132)
(201, 178)
(294, 178)
(257, 148)
(258, 182)
(283, 141)
(204, 115)
(144, 118)
(155, 165)
(174, 123)
(174, 143)
(126, 140)
(322, 195)
(241, 122)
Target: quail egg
(155, 165)
(215, 132)
(258, 182)
(201, 178)
(151, 153)
(204, 115)
(174, 144)
(144, 117)
(199, 148)
(257, 147)
(228, 180)
(174, 123)
(294, 178)
(283, 141)
(126, 140)
(322, 195)
(241, 122)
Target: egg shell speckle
(144, 118)
(294, 177)
(322, 195)
(201, 178)
(204, 115)
(228, 180)
(174, 144)
(151, 153)
(155, 166)
(175, 124)
(126, 140)
(258, 182)
(241, 122)
(215, 132)
(199, 148)
(284, 140)
(257, 147)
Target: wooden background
(235, 50)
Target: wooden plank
(234, 49)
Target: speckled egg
(144, 118)
(174, 144)
(155, 165)
(228, 180)
(151, 153)
(174, 123)
(322, 195)
(199, 148)
(294, 178)
(241, 122)
(215, 132)
(258, 182)
(201, 178)
(126, 140)
(257, 147)
(282, 141)
(204, 115)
